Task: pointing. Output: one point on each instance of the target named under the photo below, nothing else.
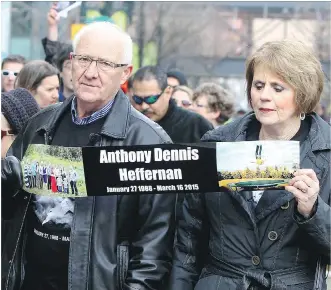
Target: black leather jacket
(117, 242)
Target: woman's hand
(305, 187)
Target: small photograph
(257, 165)
(54, 171)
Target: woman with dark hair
(280, 239)
(41, 80)
(17, 107)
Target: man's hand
(305, 187)
(11, 175)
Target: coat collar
(116, 124)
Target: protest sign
(159, 169)
(98, 171)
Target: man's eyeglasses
(9, 73)
(85, 61)
(148, 100)
(7, 133)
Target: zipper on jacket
(17, 243)
(47, 138)
(23, 256)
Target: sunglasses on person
(7, 133)
(185, 103)
(9, 73)
(148, 100)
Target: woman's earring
(302, 116)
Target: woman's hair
(296, 64)
(184, 89)
(219, 99)
(33, 73)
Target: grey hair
(110, 28)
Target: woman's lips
(266, 110)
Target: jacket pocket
(122, 264)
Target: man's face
(173, 82)
(98, 83)
(66, 75)
(147, 88)
(9, 73)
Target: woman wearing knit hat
(17, 106)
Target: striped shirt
(89, 119)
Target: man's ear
(126, 73)
(168, 92)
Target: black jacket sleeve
(190, 245)
(51, 48)
(152, 249)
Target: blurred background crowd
(202, 46)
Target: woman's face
(273, 100)
(47, 93)
(6, 139)
(182, 99)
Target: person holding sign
(94, 242)
(281, 240)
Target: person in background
(63, 63)
(73, 180)
(280, 239)
(17, 107)
(152, 97)
(65, 184)
(53, 180)
(10, 68)
(176, 78)
(34, 174)
(49, 176)
(41, 179)
(59, 184)
(58, 54)
(213, 102)
(321, 111)
(129, 92)
(182, 96)
(41, 80)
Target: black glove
(11, 175)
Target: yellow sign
(75, 28)
(120, 19)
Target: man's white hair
(110, 29)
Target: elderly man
(109, 242)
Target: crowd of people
(55, 178)
(215, 240)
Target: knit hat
(177, 75)
(18, 106)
